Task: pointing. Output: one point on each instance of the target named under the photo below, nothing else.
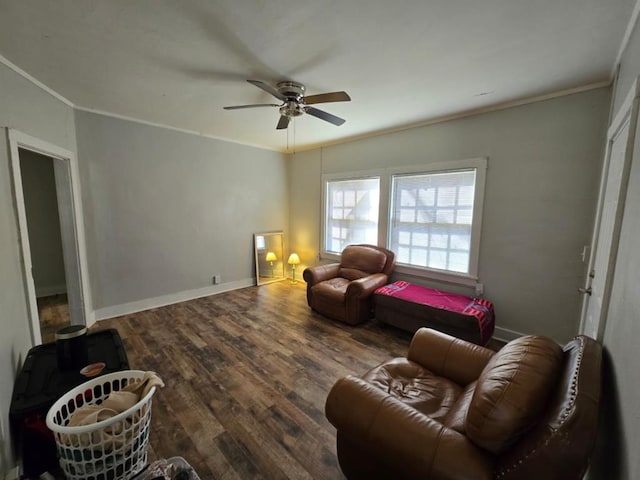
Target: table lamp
(271, 257)
(294, 260)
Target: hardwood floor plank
(247, 373)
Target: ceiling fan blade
(255, 105)
(268, 88)
(327, 98)
(322, 115)
(283, 122)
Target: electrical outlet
(479, 289)
(217, 279)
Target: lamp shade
(271, 257)
(294, 259)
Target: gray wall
(165, 211)
(43, 222)
(619, 440)
(543, 166)
(27, 108)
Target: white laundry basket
(112, 449)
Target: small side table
(39, 384)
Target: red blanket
(477, 307)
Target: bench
(410, 307)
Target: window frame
(480, 167)
(384, 213)
(341, 177)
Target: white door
(613, 189)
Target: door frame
(67, 179)
(628, 112)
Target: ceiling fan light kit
(294, 103)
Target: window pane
(439, 240)
(421, 239)
(404, 238)
(438, 259)
(458, 262)
(461, 241)
(404, 254)
(351, 213)
(431, 216)
(464, 216)
(427, 197)
(419, 257)
(407, 215)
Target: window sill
(334, 257)
(439, 275)
(420, 272)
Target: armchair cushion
(415, 386)
(512, 391)
(359, 262)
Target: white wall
(43, 223)
(619, 440)
(165, 210)
(543, 164)
(30, 110)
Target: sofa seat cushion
(415, 386)
(512, 391)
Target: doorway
(62, 165)
(45, 241)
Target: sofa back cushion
(359, 261)
(512, 392)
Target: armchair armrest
(365, 286)
(320, 273)
(448, 356)
(392, 430)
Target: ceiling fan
(295, 103)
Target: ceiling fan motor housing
(291, 90)
(291, 109)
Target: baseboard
(506, 335)
(50, 290)
(149, 303)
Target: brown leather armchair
(342, 291)
(455, 410)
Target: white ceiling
(404, 62)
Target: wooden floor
(53, 312)
(247, 374)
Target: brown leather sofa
(455, 410)
(342, 291)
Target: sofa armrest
(391, 430)
(365, 286)
(448, 356)
(320, 273)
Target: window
(351, 213)
(431, 219)
(429, 215)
